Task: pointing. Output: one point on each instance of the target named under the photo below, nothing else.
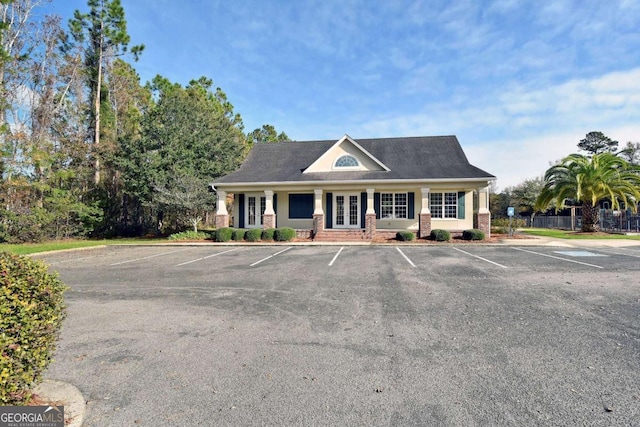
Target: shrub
(31, 313)
(284, 234)
(238, 235)
(440, 235)
(253, 235)
(405, 236)
(267, 234)
(189, 235)
(224, 234)
(473, 234)
(504, 223)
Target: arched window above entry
(346, 161)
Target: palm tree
(589, 180)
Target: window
(393, 205)
(443, 205)
(346, 161)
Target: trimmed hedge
(405, 236)
(473, 234)
(267, 234)
(189, 235)
(238, 235)
(284, 234)
(31, 313)
(440, 235)
(224, 234)
(253, 234)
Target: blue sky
(519, 82)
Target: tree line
(86, 148)
(604, 173)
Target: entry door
(346, 211)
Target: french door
(346, 210)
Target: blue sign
(511, 211)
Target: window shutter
(328, 214)
(241, 210)
(411, 205)
(275, 208)
(363, 209)
(376, 204)
(461, 205)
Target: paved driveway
(377, 335)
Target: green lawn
(565, 234)
(32, 248)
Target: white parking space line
(336, 256)
(480, 258)
(270, 256)
(560, 258)
(621, 253)
(206, 257)
(405, 257)
(147, 257)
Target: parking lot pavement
(330, 335)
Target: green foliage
(253, 235)
(189, 235)
(473, 234)
(589, 180)
(440, 235)
(224, 234)
(267, 234)
(31, 313)
(597, 143)
(504, 223)
(405, 236)
(284, 234)
(266, 134)
(238, 235)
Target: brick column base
(268, 221)
(370, 226)
(222, 221)
(483, 223)
(318, 224)
(425, 226)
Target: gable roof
(408, 158)
(342, 141)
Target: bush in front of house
(238, 234)
(440, 235)
(267, 234)
(284, 234)
(473, 234)
(253, 235)
(224, 234)
(189, 235)
(405, 236)
(31, 313)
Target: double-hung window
(393, 205)
(443, 205)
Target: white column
(425, 201)
(222, 203)
(268, 208)
(318, 202)
(483, 200)
(370, 205)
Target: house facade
(368, 186)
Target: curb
(62, 393)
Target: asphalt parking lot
(327, 335)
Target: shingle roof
(429, 157)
